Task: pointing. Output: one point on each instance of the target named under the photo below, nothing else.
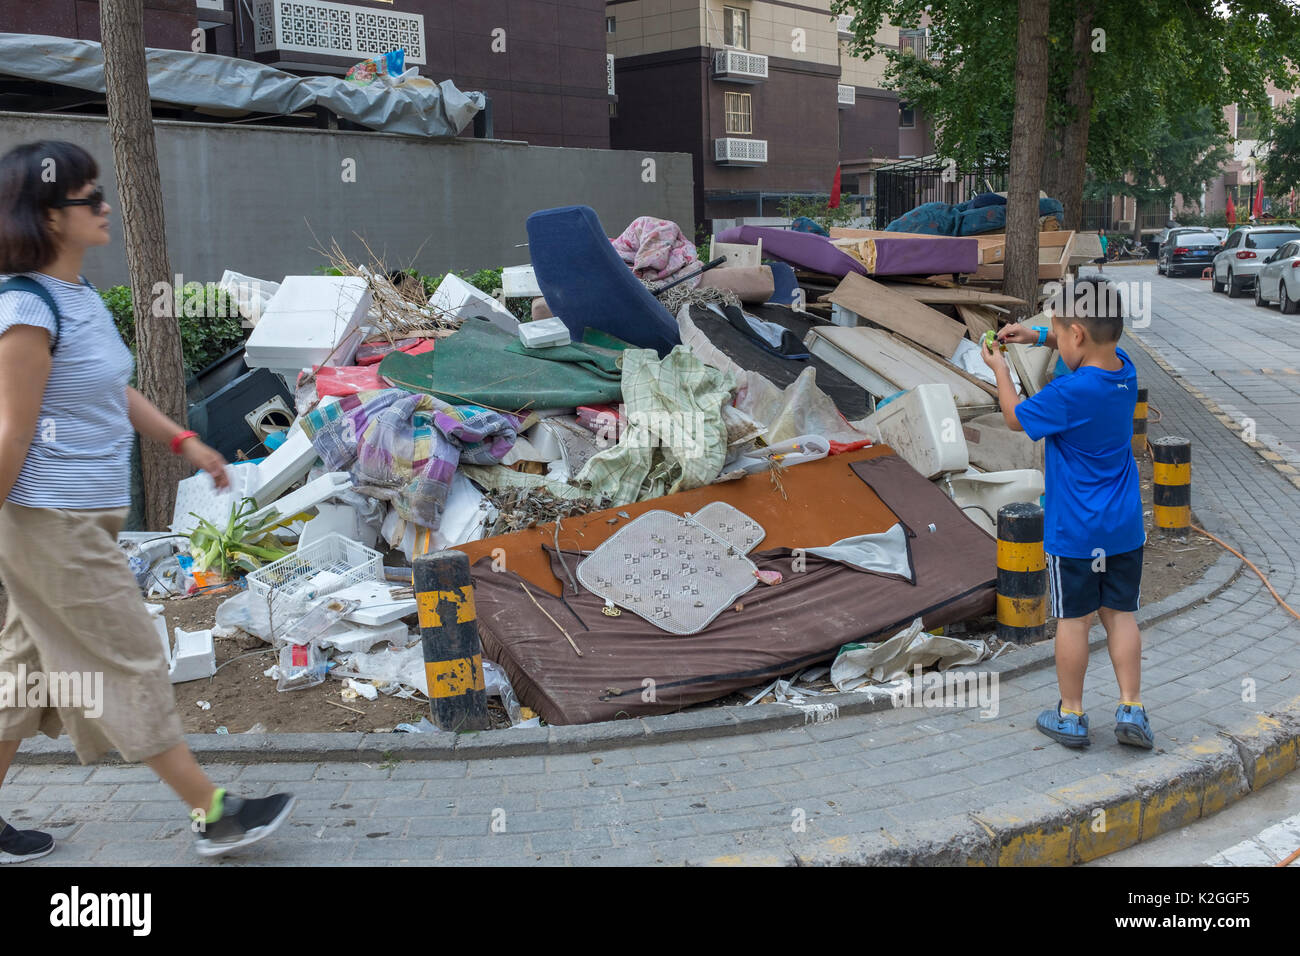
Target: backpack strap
(26, 284)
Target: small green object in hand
(991, 339)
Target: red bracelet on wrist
(176, 442)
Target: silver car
(1279, 279)
(1243, 255)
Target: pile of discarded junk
(775, 471)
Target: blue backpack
(25, 284)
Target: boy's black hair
(1095, 304)
(33, 177)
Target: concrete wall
(262, 200)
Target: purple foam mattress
(804, 250)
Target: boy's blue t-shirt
(1092, 495)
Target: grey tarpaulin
(232, 87)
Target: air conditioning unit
(739, 66)
(336, 29)
(847, 95)
(844, 24)
(739, 151)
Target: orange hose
(1250, 564)
(1290, 859)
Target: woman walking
(67, 417)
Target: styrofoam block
(520, 282)
(198, 494)
(334, 518)
(456, 296)
(284, 466)
(308, 496)
(378, 606)
(195, 657)
(544, 333)
(160, 625)
(349, 638)
(311, 320)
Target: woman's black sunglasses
(95, 200)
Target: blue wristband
(1042, 334)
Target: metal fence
(901, 187)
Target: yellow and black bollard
(1022, 573)
(1171, 486)
(1140, 424)
(453, 654)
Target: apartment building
(1241, 174)
(762, 93)
(542, 63)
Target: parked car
(1221, 232)
(1279, 279)
(1236, 267)
(1186, 252)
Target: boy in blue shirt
(1093, 527)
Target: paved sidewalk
(936, 784)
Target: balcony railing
(738, 151)
(739, 67)
(912, 42)
(609, 72)
(847, 95)
(337, 29)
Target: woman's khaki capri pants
(75, 609)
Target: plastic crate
(290, 578)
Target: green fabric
(674, 438)
(481, 364)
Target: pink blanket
(655, 249)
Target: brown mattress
(776, 631)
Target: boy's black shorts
(1074, 589)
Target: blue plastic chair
(586, 283)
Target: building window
(1250, 123)
(906, 116)
(735, 27)
(740, 113)
(912, 41)
(609, 24)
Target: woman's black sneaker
(244, 822)
(19, 846)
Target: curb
(1266, 454)
(1083, 821)
(585, 738)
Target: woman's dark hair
(33, 177)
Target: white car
(1279, 279)
(1243, 254)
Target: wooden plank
(933, 295)
(978, 320)
(899, 313)
(1054, 252)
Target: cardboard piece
(881, 305)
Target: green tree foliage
(1282, 162)
(1161, 73)
(209, 321)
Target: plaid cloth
(674, 438)
(404, 448)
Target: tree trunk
(160, 369)
(1074, 160)
(1027, 136)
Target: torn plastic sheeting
(857, 664)
(884, 553)
(202, 81)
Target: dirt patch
(242, 698)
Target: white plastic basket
(290, 578)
